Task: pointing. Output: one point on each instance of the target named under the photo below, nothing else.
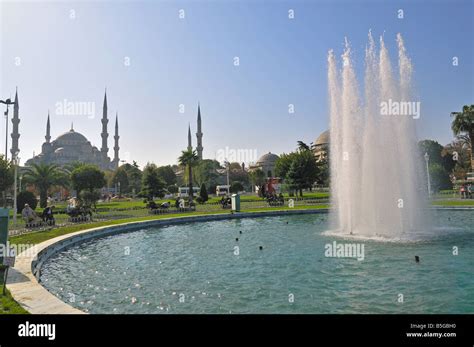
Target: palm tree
(190, 159)
(463, 122)
(44, 176)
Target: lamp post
(7, 102)
(427, 159)
(119, 188)
(15, 163)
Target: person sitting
(28, 214)
(48, 216)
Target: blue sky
(177, 61)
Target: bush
(236, 187)
(203, 194)
(88, 198)
(26, 198)
(173, 189)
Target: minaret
(15, 134)
(104, 134)
(199, 134)
(46, 147)
(116, 146)
(48, 130)
(190, 145)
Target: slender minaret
(48, 130)
(116, 145)
(190, 145)
(105, 121)
(15, 134)
(199, 134)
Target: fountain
(377, 185)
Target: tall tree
(167, 174)
(6, 177)
(152, 184)
(43, 177)
(189, 159)
(463, 122)
(303, 171)
(87, 178)
(257, 178)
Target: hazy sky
(151, 61)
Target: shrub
(26, 197)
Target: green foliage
(87, 177)
(439, 178)
(134, 175)
(203, 194)
(152, 184)
(283, 163)
(43, 177)
(189, 159)
(89, 198)
(167, 174)
(463, 123)
(236, 187)
(303, 171)
(173, 189)
(205, 172)
(6, 174)
(26, 197)
(120, 175)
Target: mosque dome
(71, 138)
(268, 159)
(322, 139)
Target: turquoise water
(193, 268)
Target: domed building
(72, 147)
(321, 146)
(266, 163)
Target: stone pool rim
(23, 280)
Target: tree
(303, 171)
(26, 197)
(120, 175)
(283, 163)
(303, 146)
(189, 159)
(43, 177)
(236, 187)
(152, 184)
(459, 152)
(6, 176)
(257, 178)
(439, 177)
(203, 197)
(88, 178)
(167, 174)
(134, 175)
(205, 172)
(463, 123)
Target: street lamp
(427, 159)
(15, 163)
(7, 102)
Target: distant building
(72, 147)
(266, 163)
(321, 146)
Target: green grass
(7, 304)
(453, 202)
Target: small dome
(267, 159)
(322, 139)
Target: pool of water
(202, 268)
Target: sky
(152, 62)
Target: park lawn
(10, 306)
(453, 202)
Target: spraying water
(376, 181)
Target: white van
(183, 192)
(222, 190)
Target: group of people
(30, 217)
(466, 191)
(275, 200)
